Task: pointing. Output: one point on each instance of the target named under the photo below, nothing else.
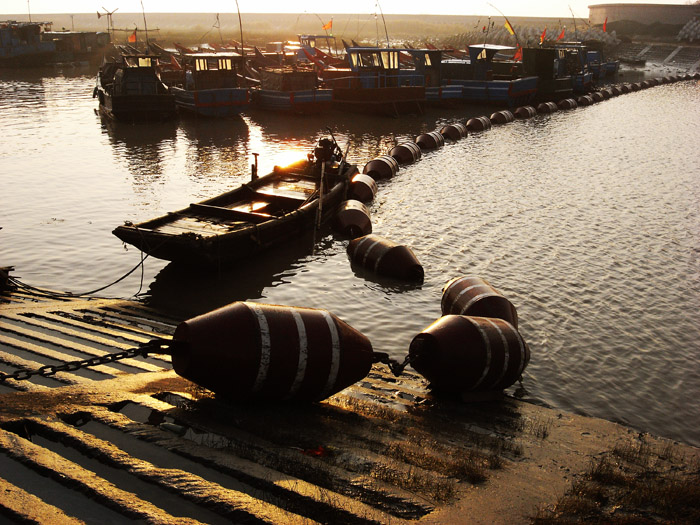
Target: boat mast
(240, 25)
(144, 23)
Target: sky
(537, 8)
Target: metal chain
(396, 367)
(155, 346)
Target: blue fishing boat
(291, 89)
(21, 44)
(574, 56)
(378, 80)
(549, 66)
(212, 85)
(486, 78)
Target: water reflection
(190, 291)
(217, 147)
(141, 147)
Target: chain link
(155, 346)
(395, 366)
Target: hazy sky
(540, 8)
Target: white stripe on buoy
(506, 353)
(485, 337)
(477, 298)
(357, 246)
(335, 355)
(462, 292)
(303, 353)
(265, 344)
(522, 349)
(371, 247)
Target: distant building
(642, 13)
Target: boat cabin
(132, 75)
(213, 70)
(386, 67)
(486, 62)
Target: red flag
(328, 26)
(605, 25)
(518, 56)
(132, 37)
(544, 34)
(561, 35)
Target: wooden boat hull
(308, 101)
(222, 102)
(243, 222)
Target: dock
(131, 440)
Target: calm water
(588, 220)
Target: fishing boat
(129, 89)
(267, 211)
(212, 84)
(21, 44)
(549, 66)
(291, 89)
(378, 80)
(485, 80)
(574, 57)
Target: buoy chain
(155, 346)
(395, 366)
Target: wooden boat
(291, 89)
(212, 84)
(129, 89)
(267, 211)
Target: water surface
(587, 220)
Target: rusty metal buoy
(431, 140)
(597, 96)
(584, 100)
(525, 112)
(474, 296)
(547, 107)
(362, 188)
(406, 152)
(454, 131)
(382, 167)
(567, 103)
(462, 354)
(385, 257)
(616, 91)
(249, 351)
(502, 117)
(478, 124)
(353, 219)
(635, 86)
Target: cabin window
(225, 63)
(144, 62)
(353, 59)
(428, 62)
(201, 64)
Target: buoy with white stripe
(251, 351)
(362, 188)
(478, 124)
(431, 140)
(547, 107)
(502, 117)
(525, 112)
(454, 131)
(406, 152)
(382, 167)
(461, 354)
(353, 219)
(474, 296)
(567, 103)
(385, 257)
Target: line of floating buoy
(356, 221)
